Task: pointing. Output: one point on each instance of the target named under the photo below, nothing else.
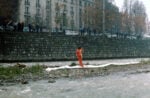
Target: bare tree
(133, 18)
(57, 16)
(94, 15)
(9, 8)
(139, 18)
(127, 18)
(111, 13)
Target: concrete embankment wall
(41, 47)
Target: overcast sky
(145, 2)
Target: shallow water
(119, 85)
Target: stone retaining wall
(17, 46)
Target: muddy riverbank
(26, 75)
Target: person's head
(79, 47)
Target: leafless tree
(9, 8)
(133, 18)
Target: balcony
(27, 3)
(27, 13)
(48, 7)
(64, 10)
(37, 15)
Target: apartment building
(54, 14)
(67, 14)
(35, 12)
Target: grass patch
(73, 64)
(145, 61)
(13, 71)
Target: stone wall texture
(18, 46)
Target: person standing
(21, 26)
(30, 27)
(79, 51)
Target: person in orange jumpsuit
(79, 56)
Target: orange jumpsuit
(79, 56)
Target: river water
(113, 86)
(117, 85)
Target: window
(27, 19)
(38, 12)
(26, 15)
(37, 3)
(65, 8)
(72, 2)
(85, 4)
(72, 11)
(80, 12)
(26, 10)
(65, 0)
(47, 4)
(80, 3)
(80, 18)
(27, 2)
(72, 24)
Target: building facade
(148, 28)
(35, 12)
(54, 15)
(68, 14)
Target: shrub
(73, 64)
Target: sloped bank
(99, 71)
(24, 76)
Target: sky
(119, 3)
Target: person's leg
(80, 61)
